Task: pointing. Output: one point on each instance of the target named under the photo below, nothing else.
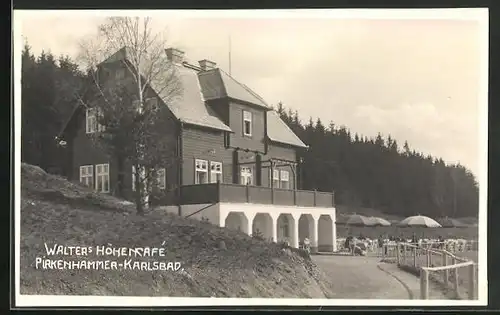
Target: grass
(217, 262)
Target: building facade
(236, 161)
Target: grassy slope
(56, 211)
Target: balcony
(222, 192)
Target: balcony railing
(222, 192)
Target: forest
(374, 172)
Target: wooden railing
(436, 264)
(223, 192)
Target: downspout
(179, 168)
(266, 140)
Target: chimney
(207, 64)
(175, 55)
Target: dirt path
(361, 278)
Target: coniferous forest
(380, 172)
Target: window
(201, 172)
(284, 179)
(102, 178)
(120, 74)
(161, 178)
(247, 123)
(246, 176)
(152, 103)
(215, 172)
(92, 125)
(276, 178)
(87, 175)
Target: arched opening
(237, 221)
(263, 226)
(306, 228)
(285, 230)
(325, 233)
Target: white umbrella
(358, 220)
(379, 221)
(419, 220)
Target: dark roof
(216, 84)
(200, 86)
(278, 131)
(190, 106)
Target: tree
(134, 128)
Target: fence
(436, 264)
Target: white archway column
(295, 230)
(314, 234)
(334, 232)
(250, 216)
(274, 219)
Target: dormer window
(247, 123)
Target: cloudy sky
(416, 79)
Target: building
(238, 160)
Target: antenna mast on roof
(229, 54)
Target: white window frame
(161, 174)
(200, 166)
(275, 177)
(246, 175)
(91, 124)
(247, 117)
(120, 74)
(284, 178)
(215, 170)
(87, 175)
(90, 120)
(100, 175)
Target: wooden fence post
(428, 258)
(472, 282)
(455, 276)
(446, 271)
(424, 284)
(398, 253)
(404, 254)
(415, 257)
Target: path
(363, 277)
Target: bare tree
(130, 80)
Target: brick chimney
(206, 64)
(175, 55)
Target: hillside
(55, 211)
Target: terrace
(235, 193)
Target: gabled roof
(278, 131)
(197, 87)
(216, 84)
(190, 107)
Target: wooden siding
(204, 144)
(278, 152)
(84, 152)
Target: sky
(415, 79)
